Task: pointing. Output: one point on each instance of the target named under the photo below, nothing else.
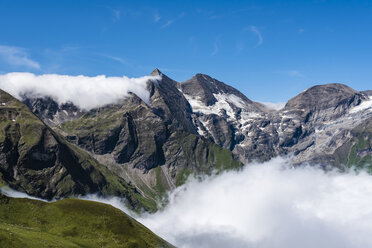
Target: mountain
(37, 160)
(70, 223)
(153, 145)
(203, 126)
(311, 126)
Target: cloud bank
(85, 92)
(269, 205)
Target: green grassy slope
(70, 223)
(358, 151)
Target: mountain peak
(328, 96)
(156, 72)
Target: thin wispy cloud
(17, 56)
(157, 17)
(171, 21)
(168, 23)
(301, 31)
(216, 46)
(116, 14)
(215, 50)
(257, 32)
(292, 73)
(117, 59)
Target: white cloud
(17, 56)
(5, 190)
(168, 23)
(117, 59)
(85, 92)
(292, 73)
(116, 202)
(274, 105)
(257, 32)
(269, 205)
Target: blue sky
(269, 50)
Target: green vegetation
(114, 185)
(2, 183)
(70, 223)
(361, 160)
(203, 157)
(18, 122)
(182, 176)
(222, 159)
(161, 182)
(99, 122)
(78, 172)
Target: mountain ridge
(203, 126)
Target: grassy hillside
(70, 223)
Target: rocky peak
(202, 87)
(156, 72)
(327, 101)
(169, 103)
(325, 96)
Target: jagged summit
(156, 72)
(209, 91)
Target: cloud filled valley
(269, 205)
(264, 205)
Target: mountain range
(140, 150)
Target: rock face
(155, 145)
(51, 112)
(311, 126)
(40, 162)
(203, 125)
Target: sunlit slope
(70, 223)
(36, 160)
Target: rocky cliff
(36, 160)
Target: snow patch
(224, 102)
(363, 106)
